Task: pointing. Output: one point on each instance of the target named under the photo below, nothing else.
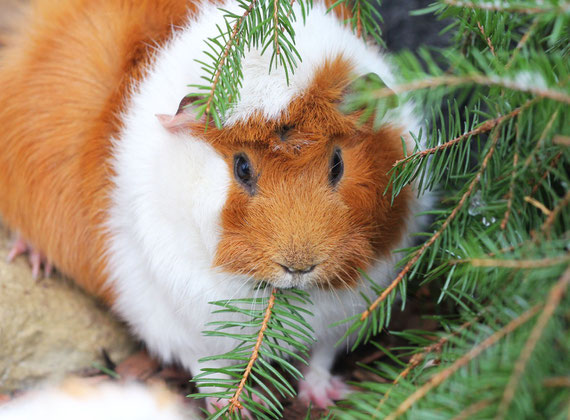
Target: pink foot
(321, 389)
(36, 258)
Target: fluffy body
(151, 219)
(76, 399)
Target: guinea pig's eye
(243, 172)
(337, 168)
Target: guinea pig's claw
(20, 247)
(36, 258)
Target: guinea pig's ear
(359, 97)
(185, 115)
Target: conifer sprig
(264, 25)
(271, 333)
(364, 18)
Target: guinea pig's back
(65, 77)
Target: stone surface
(50, 327)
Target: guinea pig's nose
(298, 269)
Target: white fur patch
(170, 189)
(109, 401)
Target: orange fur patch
(64, 82)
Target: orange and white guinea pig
(121, 188)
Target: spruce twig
(487, 39)
(537, 204)
(554, 213)
(436, 235)
(473, 409)
(229, 44)
(541, 263)
(511, 192)
(484, 127)
(234, 401)
(554, 297)
(418, 358)
(451, 81)
(492, 6)
(443, 375)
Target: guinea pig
(104, 174)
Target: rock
(10, 13)
(50, 327)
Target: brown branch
(234, 401)
(554, 297)
(554, 213)
(540, 141)
(418, 358)
(487, 39)
(521, 43)
(511, 190)
(483, 128)
(557, 381)
(290, 11)
(276, 24)
(553, 164)
(545, 210)
(225, 54)
(443, 375)
(498, 8)
(476, 79)
(473, 409)
(488, 262)
(358, 20)
(561, 140)
(436, 235)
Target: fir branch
(560, 381)
(473, 409)
(435, 236)
(276, 25)
(541, 140)
(552, 165)
(489, 43)
(506, 7)
(364, 18)
(510, 194)
(358, 21)
(268, 330)
(418, 358)
(537, 204)
(552, 302)
(482, 262)
(234, 401)
(232, 40)
(445, 374)
(484, 127)
(522, 43)
(561, 140)
(545, 228)
(450, 81)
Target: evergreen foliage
(497, 106)
(275, 332)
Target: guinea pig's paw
(321, 389)
(36, 258)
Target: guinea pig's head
(307, 205)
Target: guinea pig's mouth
(296, 280)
